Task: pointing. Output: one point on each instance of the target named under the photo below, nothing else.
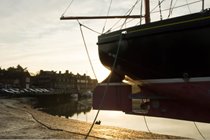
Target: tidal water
(82, 110)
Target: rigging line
(121, 25)
(176, 7)
(145, 121)
(161, 16)
(107, 86)
(113, 25)
(170, 8)
(67, 8)
(131, 10)
(107, 15)
(173, 8)
(90, 29)
(141, 9)
(156, 6)
(127, 13)
(188, 6)
(112, 28)
(80, 25)
(199, 131)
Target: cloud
(27, 18)
(32, 34)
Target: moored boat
(163, 54)
(168, 59)
(173, 48)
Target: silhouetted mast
(147, 11)
(147, 15)
(203, 4)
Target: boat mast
(202, 5)
(147, 11)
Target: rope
(199, 131)
(120, 26)
(170, 8)
(83, 38)
(31, 113)
(67, 8)
(156, 6)
(127, 13)
(130, 11)
(141, 9)
(188, 6)
(145, 121)
(106, 89)
(175, 7)
(107, 15)
(161, 16)
(90, 28)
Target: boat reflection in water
(82, 110)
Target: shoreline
(21, 120)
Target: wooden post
(147, 11)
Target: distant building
(45, 79)
(14, 78)
(85, 83)
(66, 83)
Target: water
(82, 110)
(156, 125)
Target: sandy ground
(19, 121)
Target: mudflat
(20, 121)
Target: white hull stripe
(176, 80)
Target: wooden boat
(168, 59)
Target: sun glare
(112, 114)
(102, 73)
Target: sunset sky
(33, 35)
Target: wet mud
(20, 121)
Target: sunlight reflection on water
(76, 110)
(156, 125)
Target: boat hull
(175, 48)
(167, 59)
